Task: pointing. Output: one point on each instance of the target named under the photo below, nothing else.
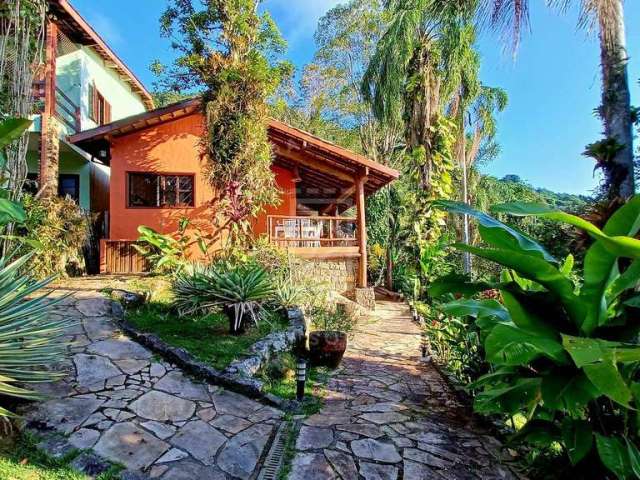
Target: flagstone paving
(143, 413)
(389, 416)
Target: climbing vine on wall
(229, 53)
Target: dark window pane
(151, 190)
(170, 191)
(185, 198)
(69, 185)
(186, 183)
(144, 190)
(185, 195)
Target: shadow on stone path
(389, 416)
(133, 409)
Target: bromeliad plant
(564, 353)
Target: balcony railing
(66, 109)
(312, 232)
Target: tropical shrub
(30, 341)
(10, 130)
(241, 289)
(165, 252)
(564, 354)
(58, 229)
(454, 342)
(331, 319)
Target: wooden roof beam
(313, 164)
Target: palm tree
(512, 17)
(413, 75)
(474, 111)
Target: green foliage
(559, 239)
(10, 130)
(454, 341)
(288, 294)
(229, 52)
(242, 288)
(58, 230)
(563, 353)
(31, 342)
(165, 252)
(205, 335)
(20, 459)
(331, 319)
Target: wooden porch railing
(119, 256)
(312, 232)
(66, 109)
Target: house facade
(99, 140)
(83, 85)
(158, 177)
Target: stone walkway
(143, 413)
(390, 416)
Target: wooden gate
(119, 256)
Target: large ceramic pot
(230, 312)
(326, 349)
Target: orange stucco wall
(173, 147)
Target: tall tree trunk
(616, 102)
(466, 256)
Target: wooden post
(362, 230)
(47, 147)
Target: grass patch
(293, 429)
(21, 460)
(206, 337)
(280, 381)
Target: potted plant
(329, 342)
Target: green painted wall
(124, 102)
(71, 164)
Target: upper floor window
(99, 108)
(160, 190)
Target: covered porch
(331, 185)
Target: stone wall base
(338, 274)
(366, 297)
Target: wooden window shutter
(107, 112)
(93, 103)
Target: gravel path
(388, 415)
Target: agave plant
(192, 289)
(241, 290)
(564, 353)
(289, 294)
(29, 340)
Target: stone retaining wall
(338, 273)
(239, 375)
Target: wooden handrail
(67, 109)
(64, 96)
(302, 217)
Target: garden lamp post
(301, 378)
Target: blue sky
(553, 83)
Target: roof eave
(105, 51)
